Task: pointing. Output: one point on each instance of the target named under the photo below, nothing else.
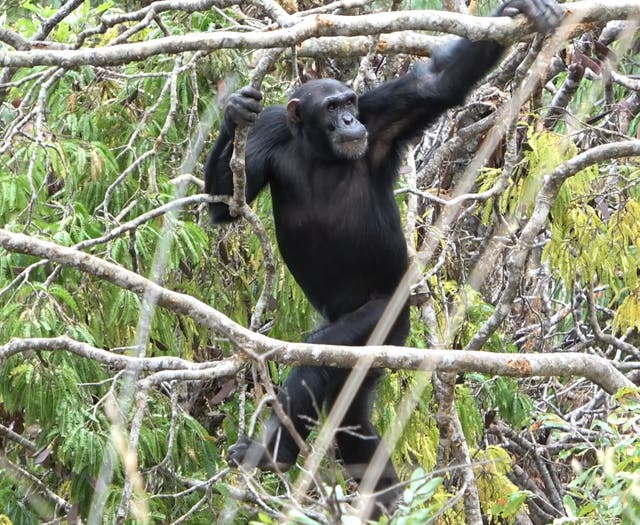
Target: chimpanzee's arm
(243, 108)
(400, 110)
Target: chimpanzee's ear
(293, 111)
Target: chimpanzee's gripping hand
(243, 107)
(544, 14)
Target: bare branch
(501, 29)
(117, 361)
(596, 369)
(14, 436)
(406, 42)
(563, 96)
(452, 441)
(13, 39)
(60, 15)
(184, 6)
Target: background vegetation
(86, 150)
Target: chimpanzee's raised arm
(400, 110)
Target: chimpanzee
(331, 159)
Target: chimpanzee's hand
(243, 107)
(544, 14)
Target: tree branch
(24, 477)
(596, 369)
(501, 29)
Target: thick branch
(405, 42)
(501, 29)
(598, 370)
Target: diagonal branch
(598, 370)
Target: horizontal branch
(592, 367)
(106, 357)
(314, 26)
(598, 370)
(502, 29)
(405, 42)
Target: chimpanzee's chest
(339, 230)
(323, 209)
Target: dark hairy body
(331, 160)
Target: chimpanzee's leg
(308, 388)
(301, 397)
(358, 440)
(304, 394)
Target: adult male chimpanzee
(331, 160)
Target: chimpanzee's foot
(249, 453)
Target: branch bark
(598, 370)
(501, 29)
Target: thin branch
(14, 436)
(544, 201)
(452, 441)
(62, 13)
(238, 204)
(106, 357)
(184, 6)
(26, 478)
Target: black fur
(331, 161)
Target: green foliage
(94, 128)
(594, 235)
(469, 415)
(419, 439)
(628, 313)
(609, 491)
(545, 151)
(418, 504)
(504, 395)
(501, 498)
